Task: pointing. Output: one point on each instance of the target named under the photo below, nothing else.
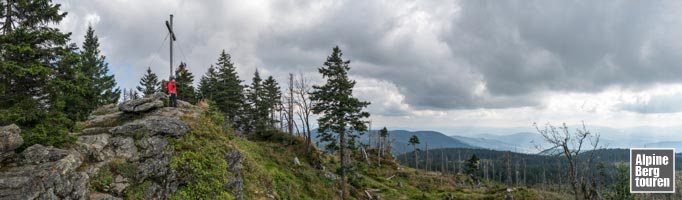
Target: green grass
(201, 161)
(269, 171)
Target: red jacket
(171, 87)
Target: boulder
(47, 173)
(234, 163)
(154, 125)
(330, 175)
(10, 138)
(120, 185)
(105, 120)
(144, 104)
(190, 111)
(297, 162)
(38, 154)
(94, 131)
(151, 147)
(121, 147)
(105, 109)
(155, 168)
(92, 146)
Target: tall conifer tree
(183, 83)
(228, 91)
(103, 88)
(273, 98)
(259, 105)
(342, 113)
(207, 84)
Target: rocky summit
(118, 146)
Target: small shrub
(201, 161)
(102, 180)
(125, 169)
(138, 191)
(47, 135)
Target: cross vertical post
(169, 25)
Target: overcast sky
(424, 64)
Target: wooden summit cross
(169, 25)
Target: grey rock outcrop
(47, 173)
(126, 143)
(10, 138)
(154, 125)
(92, 145)
(234, 163)
(144, 104)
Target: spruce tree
(273, 98)
(28, 50)
(341, 112)
(70, 87)
(149, 83)
(183, 84)
(258, 107)
(207, 84)
(414, 141)
(38, 77)
(472, 168)
(228, 91)
(103, 88)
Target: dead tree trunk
(509, 171)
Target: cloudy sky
(424, 64)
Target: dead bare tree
(571, 145)
(290, 105)
(509, 171)
(302, 90)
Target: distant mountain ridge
(520, 142)
(401, 138)
(434, 139)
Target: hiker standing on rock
(172, 92)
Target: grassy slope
(269, 171)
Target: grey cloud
(438, 54)
(656, 104)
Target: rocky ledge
(120, 148)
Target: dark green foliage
(472, 168)
(52, 131)
(257, 106)
(341, 112)
(138, 191)
(383, 132)
(227, 92)
(28, 48)
(620, 188)
(101, 90)
(207, 83)
(273, 98)
(70, 89)
(43, 88)
(414, 140)
(102, 179)
(183, 84)
(201, 159)
(123, 168)
(105, 177)
(149, 83)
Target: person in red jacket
(172, 91)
